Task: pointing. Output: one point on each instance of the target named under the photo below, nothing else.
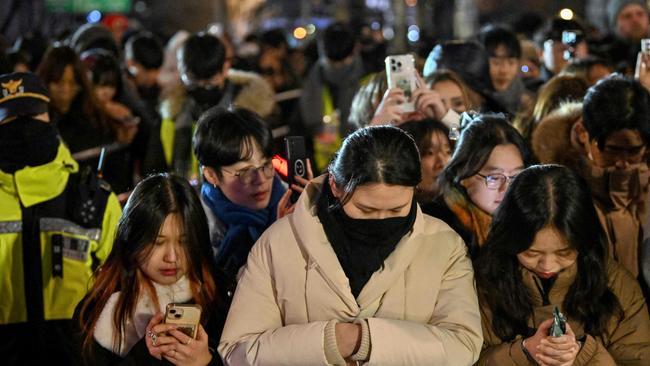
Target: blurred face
(166, 262)
(622, 148)
(632, 22)
(487, 188)
(433, 161)
(503, 68)
(248, 183)
(451, 94)
(104, 93)
(553, 55)
(376, 201)
(63, 91)
(597, 72)
(549, 254)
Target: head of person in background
(67, 79)
(27, 138)
(338, 52)
(240, 188)
(504, 53)
(161, 255)
(33, 45)
(94, 35)
(367, 99)
(452, 90)
(105, 74)
(628, 19)
(545, 249)
(143, 54)
(549, 40)
(615, 129)
(18, 61)
(487, 157)
(554, 140)
(558, 89)
(432, 139)
(591, 69)
(469, 60)
(272, 63)
(203, 64)
(530, 61)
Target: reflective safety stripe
(10, 227)
(167, 134)
(69, 227)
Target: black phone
(296, 161)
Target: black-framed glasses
(248, 175)
(497, 180)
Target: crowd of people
(500, 219)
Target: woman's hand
(389, 110)
(156, 336)
(428, 101)
(532, 343)
(187, 351)
(284, 206)
(558, 351)
(348, 338)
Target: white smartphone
(645, 46)
(185, 316)
(400, 73)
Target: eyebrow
(494, 168)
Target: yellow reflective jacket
(55, 228)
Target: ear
(579, 132)
(335, 190)
(210, 175)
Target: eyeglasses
(248, 175)
(496, 181)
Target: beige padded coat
(421, 307)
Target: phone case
(185, 316)
(400, 72)
(296, 160)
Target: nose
(170, 253)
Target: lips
(168, 272)
(546, 275)
(260, 196)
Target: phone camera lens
(394, 68)
(173, 311)
(392, 60)
(399, 64)
(177, 316)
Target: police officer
(56, 226)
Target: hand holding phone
(186, 317)
(296, 162)
(400, 73)
(558, 328)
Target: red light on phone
(280, 165)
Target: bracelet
(525, 351)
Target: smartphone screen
(296, 161)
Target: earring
(215, 186)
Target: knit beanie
(615, 6)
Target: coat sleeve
(453, 334)
(254, 333)
(112, 215)
(629, 343)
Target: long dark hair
(545, 196)
(151, 202)
(376, 154)
(478, 139)
(51, 69)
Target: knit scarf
(135, 328)
(470, 216)
(243, 225)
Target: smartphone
(558, 328)
(400, 73)
(645, 46)
(571, 38)
(296, 161)
(185, 316)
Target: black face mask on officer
(205, 95)
(27, 141)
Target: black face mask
(26, 141)
(206, 97)
(361, 245)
